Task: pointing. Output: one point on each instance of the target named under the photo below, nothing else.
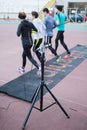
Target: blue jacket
(50, 24)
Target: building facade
(73, 6)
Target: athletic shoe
(39, 72)
(21, 70)
(47, 45)
(67, 56)
(58, 59)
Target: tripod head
(42, 49)
(44, 46)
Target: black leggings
(27, 53)
(37, 44)
(49, 41)
(60, 36)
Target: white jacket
(40, 27)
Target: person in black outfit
(25, 30)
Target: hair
(59, 7)
(46, 10)
(35, 14)
(22, 15)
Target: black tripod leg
(41, 96)
(32, 105)
(57, 101)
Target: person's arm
(43, 26)
(67, 20)
(34, 28)
(57, 21)
(19, 30)
(54, 26)
(45, 22)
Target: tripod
(40, 90)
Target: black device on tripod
(40, 89)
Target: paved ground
(71, 91)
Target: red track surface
(71, 91)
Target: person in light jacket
(39, 35)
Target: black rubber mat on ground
(24, 87)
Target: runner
(24, 30)
(61, 19)
(50, 24)
(38, 36)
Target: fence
(11, 15)
(14, 15)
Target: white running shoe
(21, 70)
